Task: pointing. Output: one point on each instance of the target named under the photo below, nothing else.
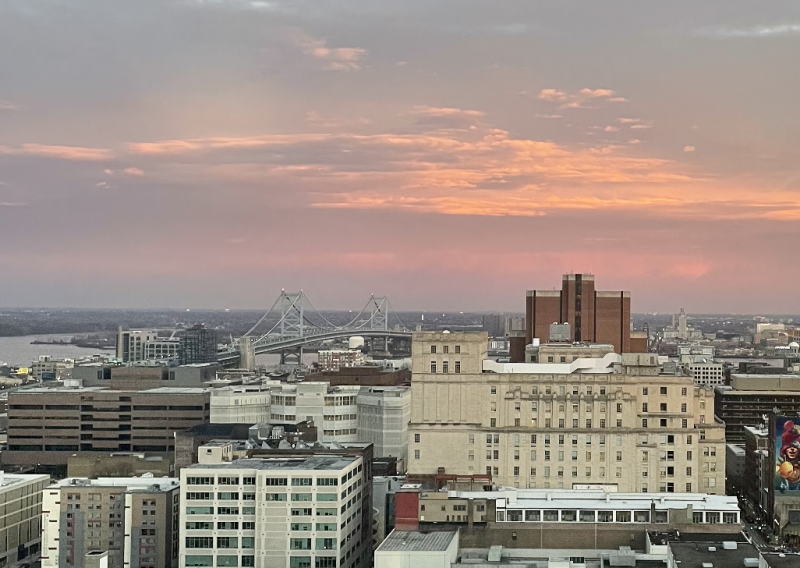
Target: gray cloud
(725, 32)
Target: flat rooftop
(8, 480)
(304, 463)
(695, 554)
(150, 484)
(778, 560)
(159, 390)
(415, 541)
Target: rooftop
(159, 390)
(414, 541)
(696, 554)
(150, 484)
(305, 463)
(782, 560)
(10, 479)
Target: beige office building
(21, 518)
(618, 422)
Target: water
(18, 351)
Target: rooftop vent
(729, 545)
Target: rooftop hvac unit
(729, 545)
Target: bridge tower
(292, 325)
(379, 321)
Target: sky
(449, 154)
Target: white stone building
(21, 518)
(241, 404)
(383, 416)
(333, 409)
(560, 425)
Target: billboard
(787, 454)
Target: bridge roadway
(278, 345)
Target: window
(326, 544)
(644, 391)
(227, 542)
(433, 366)
(493, 422)
(199, 542)
(663, 422)
(683, 407)
(493, 390)
(300, 544)
(301, 526)
(416, 454)
(416, 438)
(446, 349)
(644, 422)
(274, 482)
(458, 349)
(228, 481)
(458, 366)
(663, 407)
(445, 368)
(301, 496)
(195, 560)
(433, 349)
(227, 526)
(199, 510)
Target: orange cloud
(579, 98)
(59, 152)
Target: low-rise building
(135, 519)
(244, 404)
(48, 425)
(118, 464)
(21, 518)
(48, 369)
(750, 397)
(335, 359)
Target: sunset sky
(447, 153)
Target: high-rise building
(618, 422)
(593, 316)
(198, 344)
(278, 510)
(333, 410)
(21, 518)
(135, 519)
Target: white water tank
(355, 342)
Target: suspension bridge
(300, 324)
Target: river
(18, 351)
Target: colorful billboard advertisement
(787, 454)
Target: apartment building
(333, 409)
(277, 511)
(383, 416)
(335, 359)
(21, 518)
(48, 425)
(707, 373)
(144, 345)
(241, 404)
(622, 424)
(135, 519)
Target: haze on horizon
(448, 154)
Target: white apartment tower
(275, 512)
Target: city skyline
(449, 155)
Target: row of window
(446, 367)
(221, 542)
(591, 516)
(223, 560)
(446, 349)
(589, 390)
(271, 481)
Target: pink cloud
(335, 58)
(133, 171)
